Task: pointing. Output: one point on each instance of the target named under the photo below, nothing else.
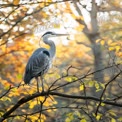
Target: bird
(41, 60)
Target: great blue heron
(41, 60)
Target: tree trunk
(91, 31)
(97, 53)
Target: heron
(41, 60)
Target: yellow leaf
(16, 2)
(17, 117)
(67, 120)
(117, 48)
(83, 120)
(111, 48)
(120, 54)
(98, 40)
(113, 44)
(55, 25)
(32, 104)
(98, 116)
(109, 41)
(102, 42)
(81, 87)
(69, 79)
(113, 120)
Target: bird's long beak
(62, 34)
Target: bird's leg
(37, 79)
(42, 80)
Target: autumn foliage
(85, 81)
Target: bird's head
(49, 34)
(52, 34)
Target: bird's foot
(40, 91)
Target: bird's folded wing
(39, 70)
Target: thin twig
(105, 90)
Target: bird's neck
(52, 49)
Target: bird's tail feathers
(27, 78)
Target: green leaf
(91, 83)
(102, 104)
(5, 99)
(120, 119)
(97, 86)
(1, 113)
(102, 85)
(98, 90)
(112, 113)
(19, 76)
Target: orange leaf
(16, 2)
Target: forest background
(85, 81)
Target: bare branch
(30, 97)
(86, 75)
(105, 90)
(31, 3)
(6, 92)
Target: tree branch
(105, 90)
(30, 97)
(6, 92)
(31, 3)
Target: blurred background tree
(93, 49)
